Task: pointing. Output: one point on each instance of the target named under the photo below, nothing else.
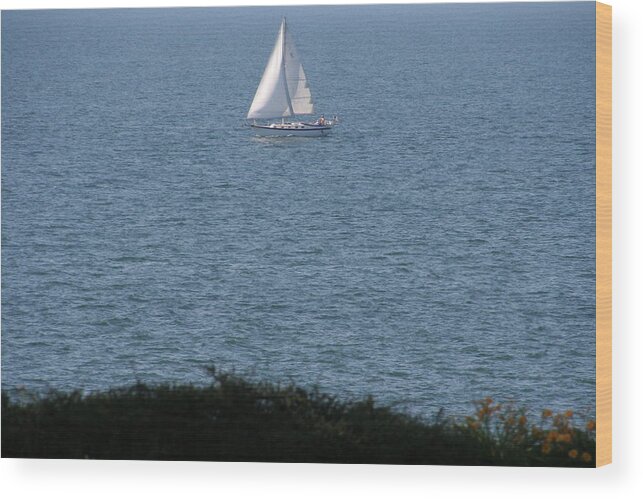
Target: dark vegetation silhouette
(234, 419)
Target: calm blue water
(437, 248)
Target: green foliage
(237, 420)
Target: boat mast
(283, 65)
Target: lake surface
(437, 248)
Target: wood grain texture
(603, 234)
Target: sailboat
(284, 92)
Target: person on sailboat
(321, 121)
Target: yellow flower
(591, 425)
(573, 453)
(569, 414)
(565, 437)
(523, 420)
(546, 448)
(547, 413)
(552, 436)
(586, 456)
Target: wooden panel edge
(603, 234)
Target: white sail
(298, 87)
(283, 90)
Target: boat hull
(291, 131)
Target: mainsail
(283, 90)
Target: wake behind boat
(284, 92)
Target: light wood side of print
(603, 234)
